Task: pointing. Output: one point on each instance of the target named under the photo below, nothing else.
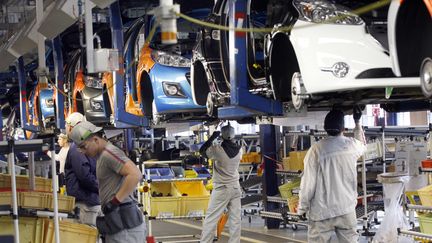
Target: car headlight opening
(93, 82)
(321, 11)
(169, 59)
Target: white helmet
(74, 118)
(227, 132)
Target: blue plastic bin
(202, 172)
(160, 173)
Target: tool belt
(126, 216)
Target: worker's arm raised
(208, 143)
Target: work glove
(111, 206)
(357, 113)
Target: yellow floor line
(246, 239)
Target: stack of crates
(425, 219)
(295, 161)
(23, 183)
(38, 200)
(286, 193)
(194, 198)
(164, 200)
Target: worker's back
(225, 169)
(335, 161)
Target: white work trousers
(344, 226)
(88, 214)
(226, 196)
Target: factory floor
(253, 231)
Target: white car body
(320, 46)
(391, 34)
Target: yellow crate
(70, 232)
(6, 198)
(65, 203)
(285, 189)
(191, 174)
(425, 221)
(293, 203)
(296, 160)
(165, 205)
(30, 229)
(425, 195)
(22, 183)
(34, 200)
(194, 199)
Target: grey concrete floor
(253, 231)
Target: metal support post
(269, 140)
(11, 161)
(243, 103)
(58, 66)
(122, 119)
(23, 97)
(55, 190)
(383, 150)
(1, 125)
(31, 168)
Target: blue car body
(181, 75)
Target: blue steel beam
(58, 68)
(122, 119)
(23, 97)
(243, 103)
(269, 141)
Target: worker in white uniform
(226, 192)
(328, 190)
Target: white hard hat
(74, 118)
(227, 132)
(82, 131)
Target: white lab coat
(329, 184)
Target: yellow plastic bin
(6, 198)
(190, 174)
(30, 229)
(65, 203)
(33, 200)
(70, 232)
(286, 189)
(166, 205)
(194, 197)
(425, 195)
(425, 221)
(22, 183)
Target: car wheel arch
(146, 93)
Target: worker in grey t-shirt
(118, 177)
(226, 192)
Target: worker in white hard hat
(226, 192)
(328, 190)
(80, 177)
(118, 177)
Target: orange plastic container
(427, 163)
